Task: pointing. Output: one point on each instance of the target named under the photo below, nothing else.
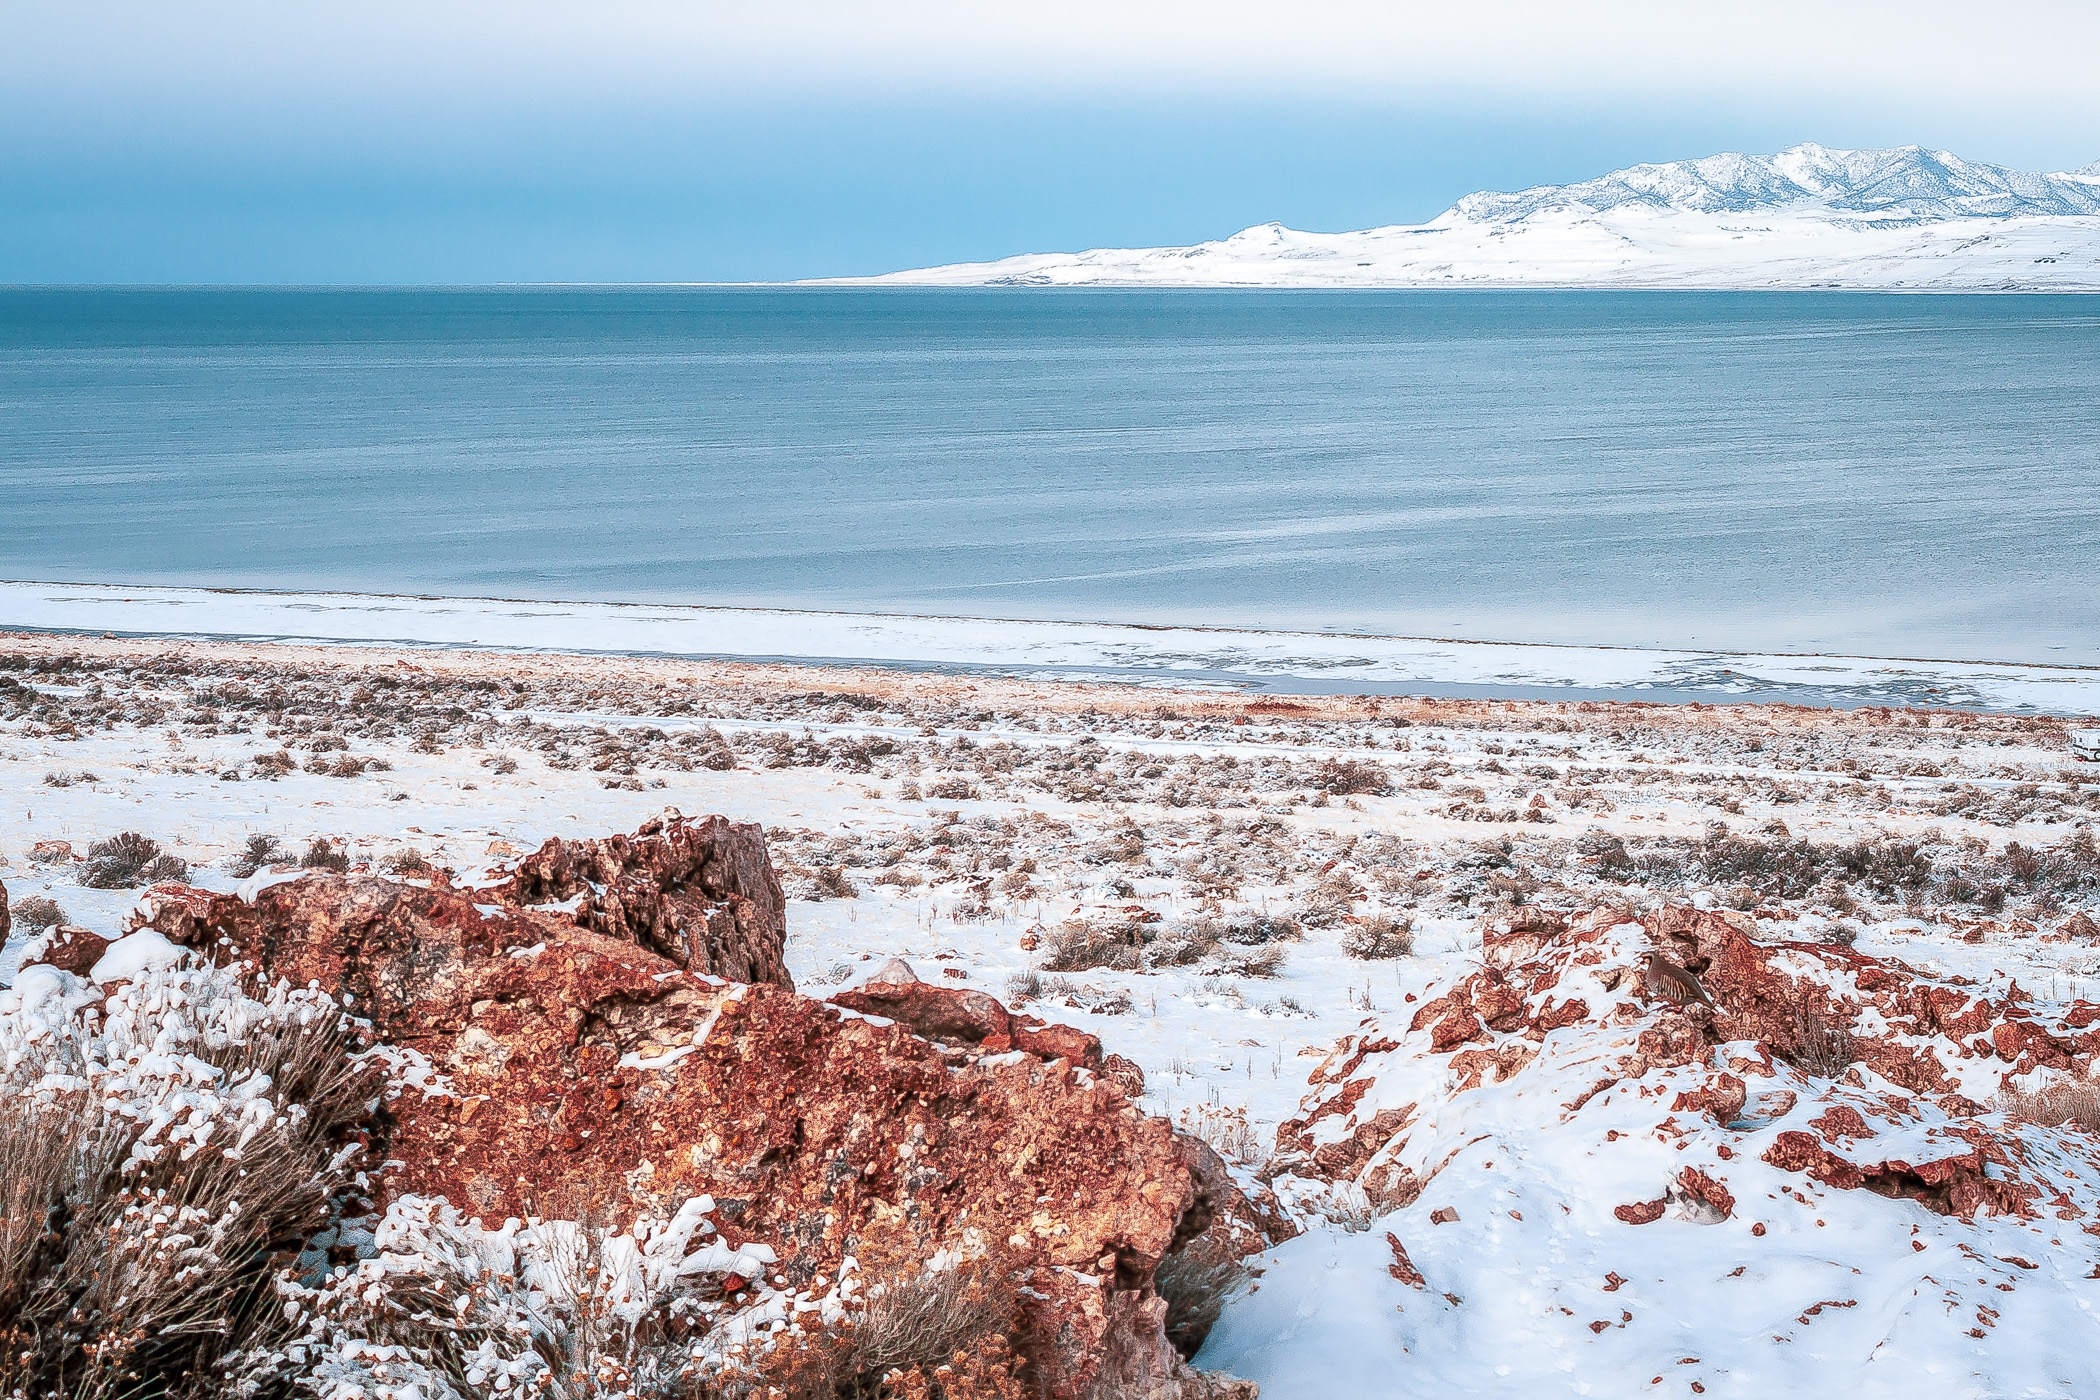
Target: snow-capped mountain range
(1906, 218)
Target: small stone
(895, 973)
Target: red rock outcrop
(1950, 1185)
(967, 1018)
(702, 893)
(1874, 1054)
(6, 922)
(579, 1071)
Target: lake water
(1881, 475)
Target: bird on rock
(1672, 983)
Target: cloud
(2037, 53)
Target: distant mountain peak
(1807, 216)
(1900, 183)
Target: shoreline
(1247, 660)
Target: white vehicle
(2085, 744)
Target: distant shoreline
(871, 283)
(1231, 659)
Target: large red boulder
(573, 1072)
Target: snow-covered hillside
(1806, 217)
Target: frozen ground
(1294, 662)
(1222, 888)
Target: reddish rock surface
(69, 949)
(1403, 1268)
(1950, 1185)
(1127, 1074)
(587, 1072)
(1812, 1059)
(700, 893)
(968, 1018)
(6, 922)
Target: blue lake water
(1887, 475)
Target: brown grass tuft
(2068, 1103)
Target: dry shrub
(1124, 844)
(1603, 851)
(1257, 929)
(1079, 945)
(1379, 936)
(1258, 962)
(923, 1317)
(259, 851)
(1197, 1283)
(1225, 1131)
(128, 860)
(37, 913)
(920, 1334)
(274, 765)
(405, 860)
(1821, 1047)
(1351, 777)
(833, 881)
(1186, 943)
(321, 854)
(2068, 1103)
(129, 1268)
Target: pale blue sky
(184, 141)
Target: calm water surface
(1889, 475)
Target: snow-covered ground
(1904, 219)
(1205, 866)
(1252, 660)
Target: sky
(384, 142)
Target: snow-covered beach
(1283, 662)
(1228, 887)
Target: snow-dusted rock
(1797, 1189)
